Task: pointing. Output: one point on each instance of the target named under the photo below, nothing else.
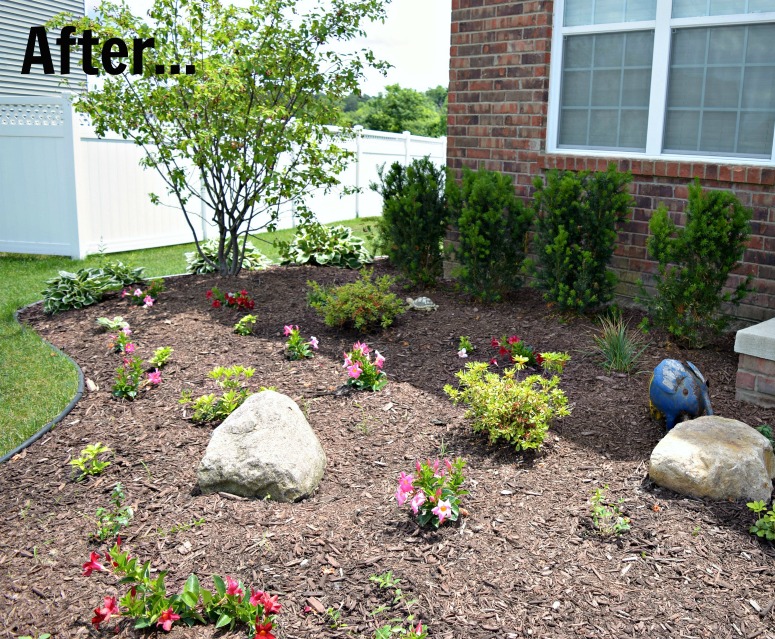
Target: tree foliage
(401, 109)
(246, 132)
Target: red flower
(271, 607)
(209, 295)
(243, 292)
(494, 342)
(101, 615)
(216, 304)
(493, 362)
(503, 351)
(232, 587)
(167, 618)
(256, 596)
(513, 339)
(263, 631)
(539, 359)
(93, 565)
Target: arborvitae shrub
(578, 214)
(695, 263)
(414, 218)
(493, 224)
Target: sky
(414, 39)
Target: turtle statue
(678, 389)
(421, 304)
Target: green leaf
(224, 620)
(220, 586)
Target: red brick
(765, 384)
(745, 381)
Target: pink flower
(401, 496)
(155, 377)
(493, 362)
(443, 510)
(406, 482)
(137, 293)
(93, 564)
(313, 342)
(379, 360)
(166, 619)
(232, 587)
(101, 615)
(418, 466)
(287, 330)
(347, 360)
(129, 348)
(462, 353)
(436, 468)
(124, 293)
(126, 331)
(354, 371)
(256, 596)
(494, 343)
(363, 348)
(417, 501)
(418, 629)
(147, 301)
(513, 339)
(448, 464)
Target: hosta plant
(75, 290)
(518, 412)
(123, 274)
(362, 372)
(433, 491)
(116, 324)
(148, 603)
(325, 246)
(253, 259)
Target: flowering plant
(245, 325)
(433, 492)
(240, 300)
(149, 604)
(465, 347)
(146, 298)
(363, 373)
(296, 347)
(129, 377)
(120, 342)
(512, 348)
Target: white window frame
(662, 27)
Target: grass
(35, 382)
(619, 347)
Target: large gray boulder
(265, 447)
(714, 457)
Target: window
(664, 78)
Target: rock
(265, 447)
(714, 457)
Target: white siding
(16, 18)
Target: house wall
(498, 100)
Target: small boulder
(714, 457)
(265, 447)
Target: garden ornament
(678, 389)
(422, 304)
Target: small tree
(578, 214)
(414, 218)
(401, 109)
(695, 263)
(245, 132)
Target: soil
(525, 562)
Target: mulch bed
(524, 563)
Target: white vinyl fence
(64, 191)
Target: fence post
(358, 137)
(407, 140)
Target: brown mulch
(524, 563)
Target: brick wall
(498, 91)
(755, 381)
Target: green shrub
(161, 356)
(414, 218)
(493, 226)
(518, 412)
(85, 287)
(365, 304)
(766, 430)
(325, 246)
(254, 260)
(212, 407)
(765, 524)
(619, 346)
(578, 214)
(607, 518)
(122, 274)
(694, 264)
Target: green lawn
(35, 383)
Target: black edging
(67, 409)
